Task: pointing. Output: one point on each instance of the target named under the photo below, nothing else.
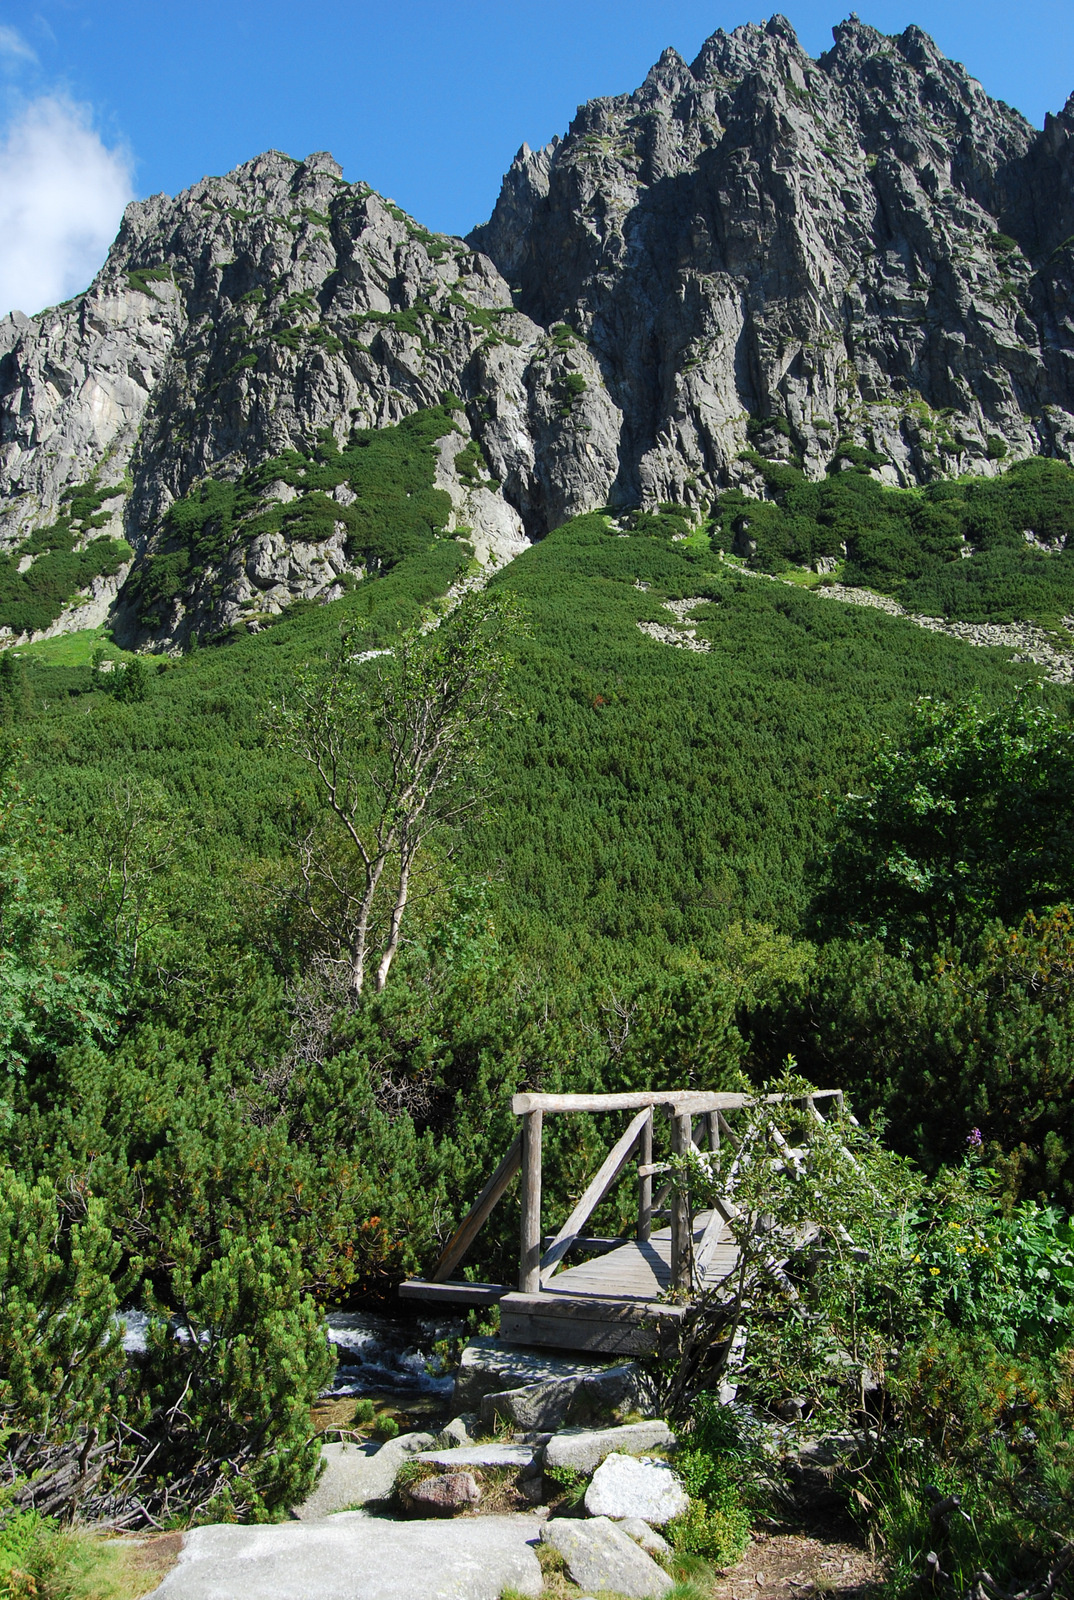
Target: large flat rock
(492, 1454)
(583, 1449)
(358, 1557)
(355, 1474)
(601, 1556)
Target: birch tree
(397, 745)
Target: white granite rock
(358, 1557)
(600, 1556)
(624, 1487)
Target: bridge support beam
(529, 1277)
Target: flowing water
(386, 1358)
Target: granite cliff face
(863, 247)
(757, 251)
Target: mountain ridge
(757, 257)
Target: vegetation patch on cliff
(970, 549)
(43, 573)
(390, 509)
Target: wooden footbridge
(617, 1301)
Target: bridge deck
(610, 1305)
(639, 1272)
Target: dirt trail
(799, 1566)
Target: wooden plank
(645, 1179)
(695, 1100)
(681, 1139)
(719, 1217)
(566, 1307)
(463, 1294)
(529, 1276)
(606, 1175)
(600, 1243)
(471, 1225)
(596, 1338)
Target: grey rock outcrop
(241, 320)
(350, 1557)
(864, 247)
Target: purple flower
(973, 1139)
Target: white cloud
(62, 194)
(13, 44)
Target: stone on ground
(358, 1557)
(600, 1556)
(550, 1404)
(584, 1449)
(652, 1542)
(444, 1495)
(625, 1487)
(493, 1454)
(355, 1474)
(537, 1406)
(458, 1432)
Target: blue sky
(425, 99)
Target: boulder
(537, 1406)
(355, 1474)
(458, 1432)
(596, 1398)
(625, 1487)
(653, 1543)
(557, 1400)
(442, 1496)
(601, 1556)
(490, 1366)
(583, 1449)
(358, 1557)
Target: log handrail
(598, 1187)
(681, 1101)
(478, 1215)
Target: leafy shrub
(710, 1463)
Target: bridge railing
(692, 1114)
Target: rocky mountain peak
(756, 256)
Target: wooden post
(714, 1130)
(645, 1185)
(529, 1277)
(681, 1139)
